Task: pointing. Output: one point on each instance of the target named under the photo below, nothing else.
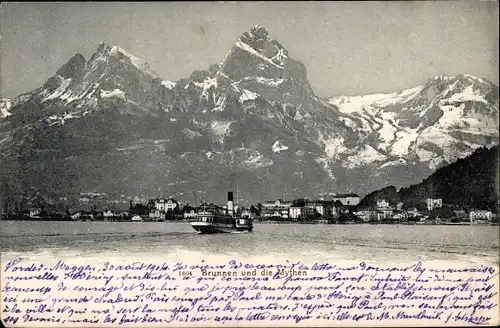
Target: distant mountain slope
(113, 125)
(435, 123)
(470, 182)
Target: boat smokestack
(230, 205)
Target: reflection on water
(346, 242)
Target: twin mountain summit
(111, 124)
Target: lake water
(379, 243)
(104, 244)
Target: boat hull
(210, 228)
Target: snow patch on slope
(133, 147)
(272, 82)
(191, 134)
(366, 155)
(220, 129)
(206, 85)
(454, 118)
(168, 84)
(386, 134)
(298, 116)
(333, 146)
(468, 94)
(348, 122)
(113, 93)
(60, 90)
(247, 95)
(278, 146)
(403, 142)
(61, 119)
(219, 101)
(351, 104)
(256, 160)
(325, 163)
(5, 105)
(398, 162)
(251, 50)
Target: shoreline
(319, 222)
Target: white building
(433, 203)
(279, 203)
(319, 207)
(190, 214)
(108, 214)
(367, 215)
(157, 215)
(413, 213)
(136, 218)
(248, 214)
(480, 215)
(35, 213)
(166, 205)
(381, 203)
(384, 213)
(295, 212)
(275, 213)
(276, 209)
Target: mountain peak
(112, 50)
(256, 54)
(461, 77)
(75, 66)
(103, 47)
(106, 50)
(258, 39)
(257, 33)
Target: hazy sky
(348, 47)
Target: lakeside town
(332, 209)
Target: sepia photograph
(264, 164)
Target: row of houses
(163, 208)
(349, 203)
(384, 210)
(431, 203)
(280, 209)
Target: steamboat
(221, 220)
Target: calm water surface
(333, 242)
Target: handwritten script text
(62, 293)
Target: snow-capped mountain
(112, 124)
(435, 123)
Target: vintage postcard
(249, 164)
